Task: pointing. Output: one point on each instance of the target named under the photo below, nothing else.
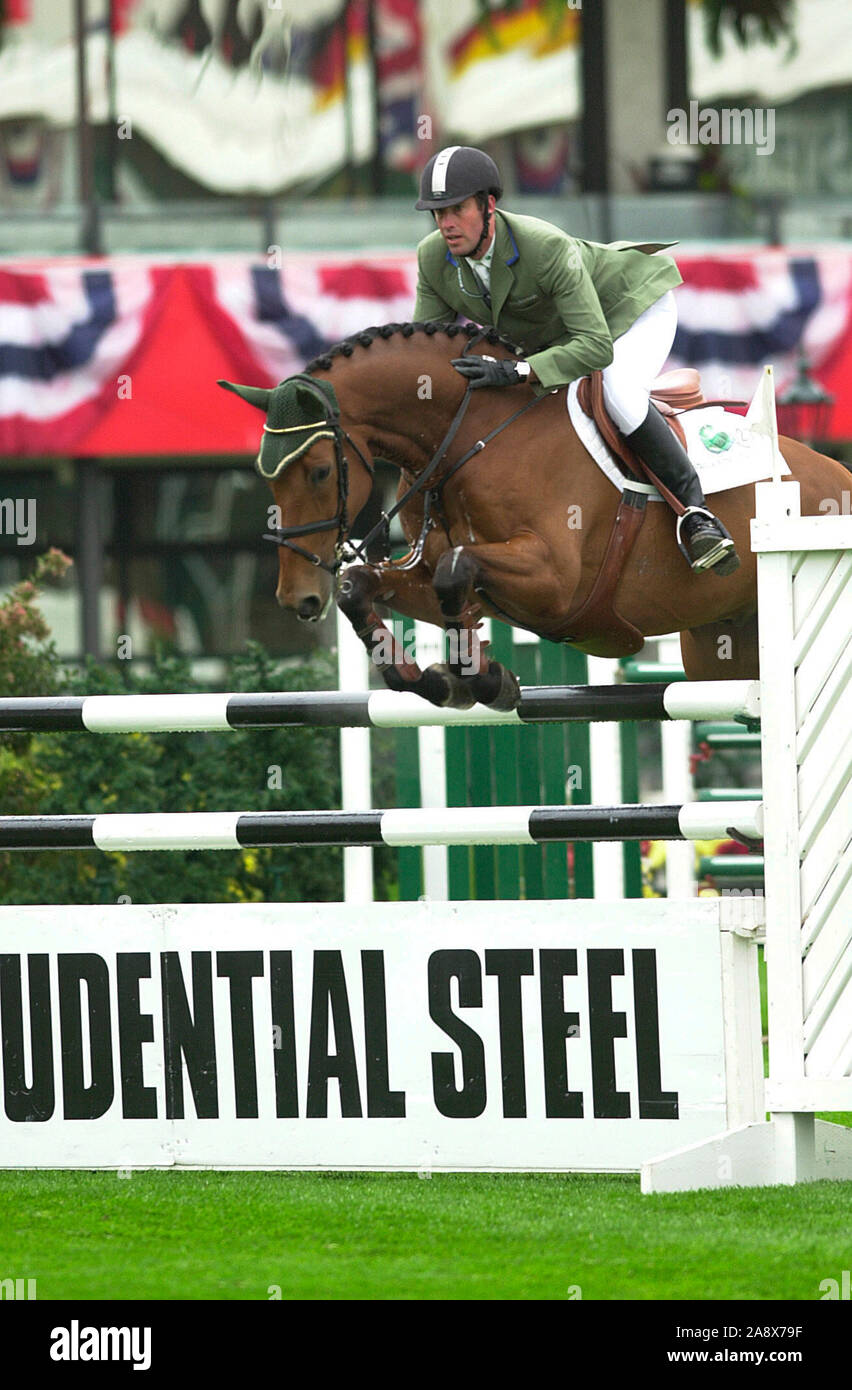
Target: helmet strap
(486, 217)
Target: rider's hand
(485, 371)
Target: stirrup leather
(719, 551)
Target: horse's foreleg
(409, 592)
(504, 571)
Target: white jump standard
(804, 588)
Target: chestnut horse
(519, 531)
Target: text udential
(76, 1343)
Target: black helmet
(455, 174)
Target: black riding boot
(701, 536)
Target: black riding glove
(485, 371)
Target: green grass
(190, 1235)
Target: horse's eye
(320, 473)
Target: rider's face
(461, 225)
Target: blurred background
(194, 189)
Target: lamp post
(804, 408)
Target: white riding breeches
(638, 357)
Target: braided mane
(387, 330)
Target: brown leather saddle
(596, 624)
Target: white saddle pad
(725, 451)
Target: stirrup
(724, 550)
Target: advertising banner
(550, 1036)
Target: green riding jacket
(561, 299)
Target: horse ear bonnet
(294, 403)
(255, 395)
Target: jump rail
(540, 704)
(478, 825)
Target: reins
(359, 548)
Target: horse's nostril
(310, 608)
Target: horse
(506, 514)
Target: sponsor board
(482, 1036)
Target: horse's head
(320, 479)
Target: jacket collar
(505, 255)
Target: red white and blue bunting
(121, 357)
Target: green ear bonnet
(301, 411)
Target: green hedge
(241, 770)
(257, 769)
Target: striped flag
(66, 336)
(73, 334)
(738, 311)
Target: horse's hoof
(497, 687)
(456, 693)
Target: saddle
(672, 393)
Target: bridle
(345, 551)
(329, 428)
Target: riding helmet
(457, 173)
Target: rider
(574, 306)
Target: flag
(66, 336)
(517, 70)
(762, 419)
(739, 310)
(122, 357)
(399, 65)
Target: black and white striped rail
(474, 825)
(124, 714)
